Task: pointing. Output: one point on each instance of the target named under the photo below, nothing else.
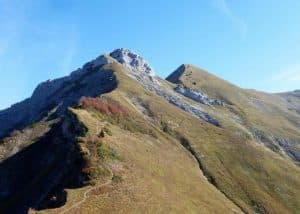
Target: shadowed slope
(59, 94)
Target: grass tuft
(117, 179)
(104, 152)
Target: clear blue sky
(252, 43)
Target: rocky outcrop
(198, 96)
(278, 144)
(287, 146)
(132, 61)
(136, 67)
(181, 103)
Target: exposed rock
(198, 96)
(132, 61)
(140, 70)
(178, 101)
(277, 144)
(286, 145)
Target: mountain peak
(132, 60)
(175, 76)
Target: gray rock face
(176, 100)
(287, 146)
(90, 80)
(132, 61)
(198, 96)
(278, 143)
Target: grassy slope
(257, 110)
(154, 173)
(246, 171)
(159, 175)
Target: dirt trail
(85, 195)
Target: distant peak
(132, 60)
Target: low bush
(102, 133)
(107, 131)
(101, 106)
(117, 179)
(104, 152)
(96, 172)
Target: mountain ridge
(59, 93)
(164, 141)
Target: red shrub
(94, 103)
(102, 106)
(115, 109)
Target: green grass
(107, 131)
(250, 174)
(160, 171)
(104, 152)
(117, 179)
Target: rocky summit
(113, 137)
(132, 60)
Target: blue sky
(252, 43)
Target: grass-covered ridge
(142, 153)
(150, 165)
(245, 158)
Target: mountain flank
(113, 137)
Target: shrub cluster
(107, 131)
(117, 178)
(103, 107)
(104, 152)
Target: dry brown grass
(160, 176)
